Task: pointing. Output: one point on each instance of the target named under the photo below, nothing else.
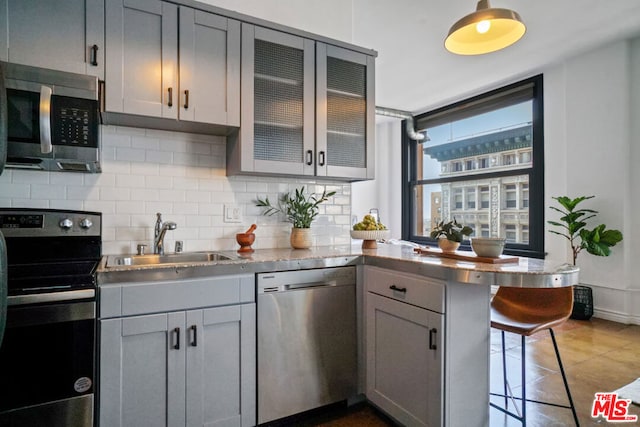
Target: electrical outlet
(232, 213)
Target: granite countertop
(527, 272)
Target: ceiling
(413, 70)
(415, 73)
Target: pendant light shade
(485, 30)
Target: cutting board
(467, 256)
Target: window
(471, 197)
(510, 232)
(510, 196)
(483, 157)
(484, 197)
(524, 194)
(457, 198)
(508, 159)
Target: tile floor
(598, 356)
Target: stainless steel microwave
(49, 120)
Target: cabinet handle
(170, 103)
(194, 342)
(94, 55)
(176, 346)
(432, 339)
(321, 158)
(186, 99)
(309, 157)
(397, 289)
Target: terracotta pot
(301, 238)
(448, 245)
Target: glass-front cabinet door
(345, 113)
(277, 109)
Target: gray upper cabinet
(209, 68)
(28, 28)
(171, 62)
(307, 109)
(277, 115)
(345, 113)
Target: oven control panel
(51, 222)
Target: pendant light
(485, 30)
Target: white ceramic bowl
(370, 234)
(490, 247)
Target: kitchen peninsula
(409, 307)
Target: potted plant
(450, 234)
(300, 210)
(597, 241)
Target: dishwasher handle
(295, 287)
(292, 287)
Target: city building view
(493, 207)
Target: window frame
(535, 247)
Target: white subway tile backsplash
(126, 154)
(162, 157)
(182, 176)
(15, 191)
(39, 191)
(145, 142)
(28, 177)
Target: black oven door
(47, 365)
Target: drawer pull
(170, 101)
(432, 339)
(397, 289)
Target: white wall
(589, 104)
(182, 176)
(329, 18)
(383, 193)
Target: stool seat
(525, 311)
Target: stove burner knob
(66, 224)
(85, 223)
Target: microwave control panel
(75, 122)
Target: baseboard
(616, 317)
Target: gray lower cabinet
(426, 348)
(65, 35)
(171, 62)
(404, 346)
(308, 109)
(193, 367)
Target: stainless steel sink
(177, 258)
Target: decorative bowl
(490, 247)
(245, 240)
(369, 237)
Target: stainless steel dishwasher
(307, 352)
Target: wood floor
(598, 355)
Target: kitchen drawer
(416, 290)
(128, 299)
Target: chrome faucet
(159, 232)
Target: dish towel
(630, 391)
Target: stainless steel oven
(47, 357)
(49, 119)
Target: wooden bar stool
(525, 311)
